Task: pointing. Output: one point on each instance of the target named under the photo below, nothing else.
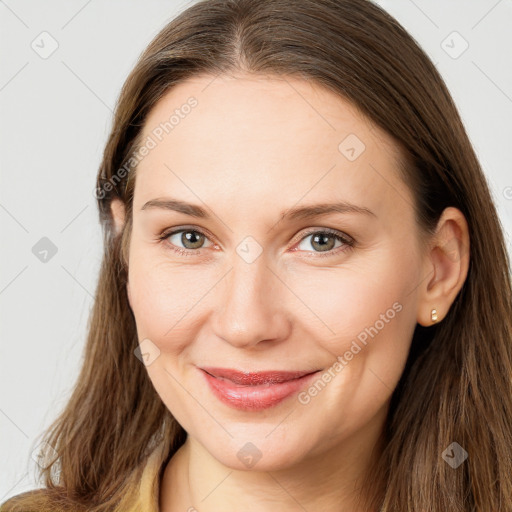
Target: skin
(253, 147)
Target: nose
(251, 307)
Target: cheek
(360, 301)
(372, 313)
(165, 298)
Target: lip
(254, 391)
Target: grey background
(55, 116)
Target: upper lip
(255, 378)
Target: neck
(194, 481)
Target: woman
(305, 299)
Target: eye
(192, 240)
(324, 241)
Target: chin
(260, 452)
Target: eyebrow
(297, 213)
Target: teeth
(265, 384)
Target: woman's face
(255, 290)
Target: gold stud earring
(433, 316)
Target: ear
(119, 216)
(446, 264)
(118, 213)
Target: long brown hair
(457, 384)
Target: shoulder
(149, 489)
(145, 497)
(35, 500)
(52, 499)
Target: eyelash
(348, 242)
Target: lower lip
(255, 398)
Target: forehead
(272, 139)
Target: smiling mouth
(254, 391)
(255, 378)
